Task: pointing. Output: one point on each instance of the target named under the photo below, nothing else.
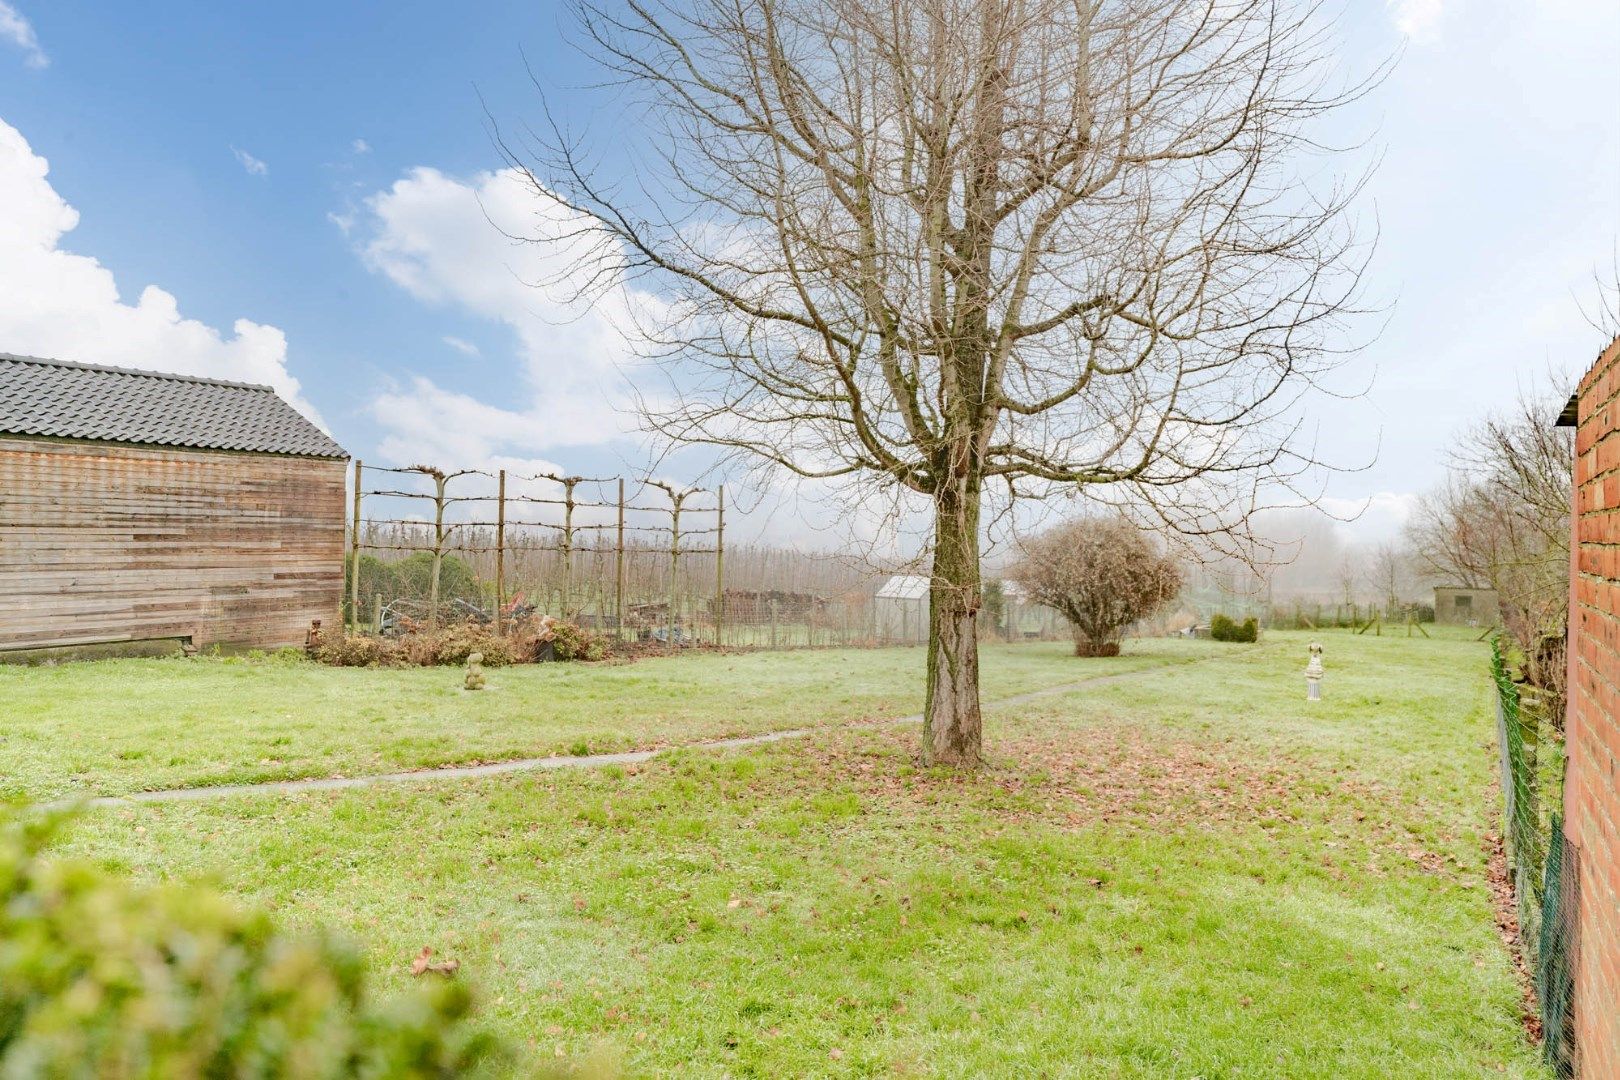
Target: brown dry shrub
(570, 642)
(448, 645)
(453, 644)
(342, 650)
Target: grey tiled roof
(60, 399)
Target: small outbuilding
(1463, 606)
(900, 608)
(140, 508)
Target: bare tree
(976, 250)
(1099, 573)
(1502, 519)
(1387, 571)
(1602, 307)
(1450, 533)
(1348, 576)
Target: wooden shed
(139, 507)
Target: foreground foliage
(100, 979)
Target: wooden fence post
(618, 569)
(568, 546)
(500, 553)
(720, 566)
(438, 548)
(674, 562)
(354, 551)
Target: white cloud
(253, 165)
(1417, 19)
(20, 32)
(465, 348)
(67, 306)
(442, 240)
(360, 146)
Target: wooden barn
(143, 509)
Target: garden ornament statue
(1313, 674)
(475, 671)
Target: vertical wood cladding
(107, 543)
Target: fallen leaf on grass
(424, 963)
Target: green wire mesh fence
(1542, 864)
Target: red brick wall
(1592, 784)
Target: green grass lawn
(115, 726)
(1186, 872)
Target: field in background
(1182, 872)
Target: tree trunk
(952, 727)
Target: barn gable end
(137, 506)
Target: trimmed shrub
(1102, 574)
(99, 978)
(1224, 628)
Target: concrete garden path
(570, 761)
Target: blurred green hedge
(102, 979)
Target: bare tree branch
(1055, 243)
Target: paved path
(581, 761)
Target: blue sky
(315, 170)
